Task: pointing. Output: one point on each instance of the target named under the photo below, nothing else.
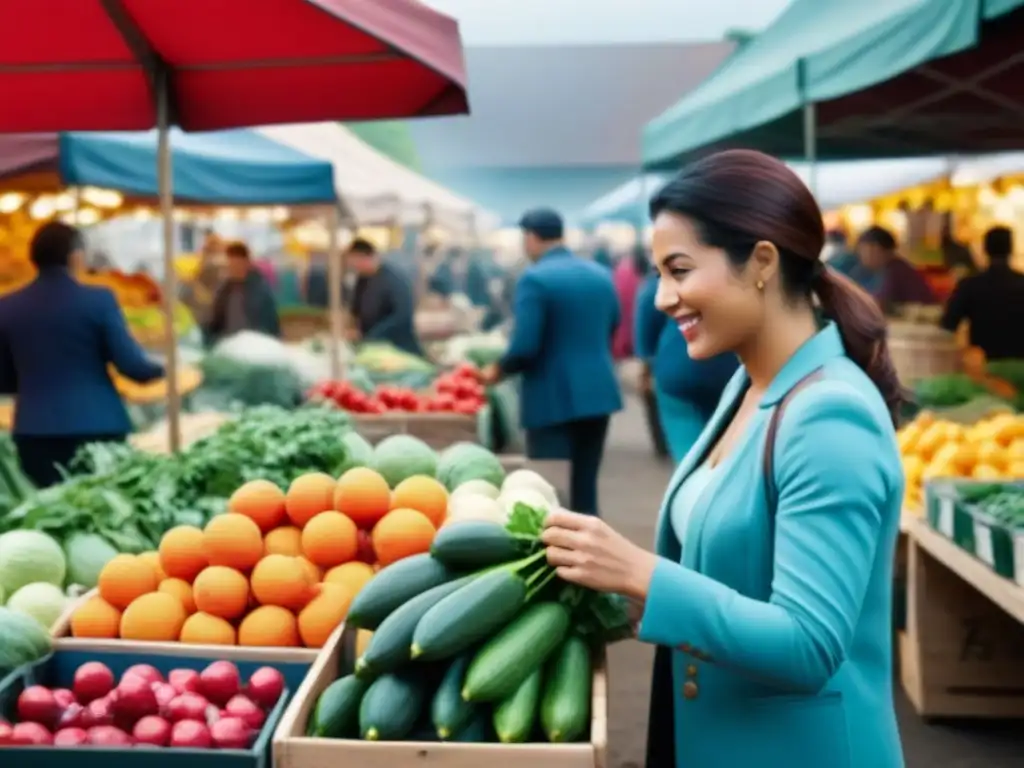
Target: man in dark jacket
(58, 339)
(244, 302)
(382, 301)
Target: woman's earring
(760, 285)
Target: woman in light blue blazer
(769, 592)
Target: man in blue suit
(566, 311)
(57, 341)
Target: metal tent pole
(165, 183)
(811, 146)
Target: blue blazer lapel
(666, 543)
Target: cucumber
(468, 615)
(522, 646)
(514, 718)
(336, 715)
(449, 712)
(477, 731)
(388, 648)
(565, 705)
(393, 586)
(474, 544)
(391, 706)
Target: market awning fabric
(93, 64)
(376, 189)
(890, 79)
(626, 204)
(234, 167)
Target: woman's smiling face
(716, 305)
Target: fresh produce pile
(477, 641)
(990, 449)
(211, 709)
(480, 349)
(22, 641)
(458, 391)
(1001, 503)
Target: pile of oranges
(277, 569)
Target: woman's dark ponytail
(864, 332)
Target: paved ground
(631, 486)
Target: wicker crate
(921, 351)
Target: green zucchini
(449, 712)
(336, 715)
(474, 544)
(388, 649)
(468, 615)
(565, 705)
(477, 731)
(391, 706)
(519, 648)
(393, 586)
(515, 717)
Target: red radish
(365, 552)
(64, 697)
(135, 698)
(164, 693)
(99, 712)
(231, 733)
(152, 730)
(6, 733)
(93, 680)
(219, 682)
(146, 671)
(36, 704)
(184, 680)
(191, 733)
(72, 716)
(265, 687)
(108, 736)
(245, 709)
(30, 734)
(70, 737)
(187, 706)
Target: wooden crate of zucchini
(478, 652)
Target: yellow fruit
(156, 617)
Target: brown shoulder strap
(771, 433)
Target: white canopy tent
(377, 190)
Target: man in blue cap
(566, 312)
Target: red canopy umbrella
(113, 65)
(103, 64)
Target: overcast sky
(568, 22)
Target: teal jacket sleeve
(648, 321)
(121, 348)
(528, 331)
(827, 528)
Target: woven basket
(920, 351)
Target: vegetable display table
(438, 430)
(962, 654)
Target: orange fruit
(96, 618)
(401, 533)
(352, 575)
(232, 540)
(282, 581)
(125, 578)
(313, 571)
(363, 495)
(323, 615)
(269, 625)
(286, 540)
(181, 553)
(204, 629)
(424, 494)
(182, 590)
(156, 617)
(153, 560)
(221, 591)
(308, 496)
(330, 539)
(261, 501)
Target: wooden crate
(962, 654)
(293, 749)
(438, 430)
(302, 325)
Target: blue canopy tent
(626, 204)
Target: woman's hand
(586, 551)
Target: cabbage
(531, 497)
(477, 488)
(401, 456)
(358, 452)
(27, 557)
(472, 506)
(22, 640)
(527, 478)
(87, 553)
(468, 461)
(43, 602)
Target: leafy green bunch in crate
(479, 640)
(1003, 502)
